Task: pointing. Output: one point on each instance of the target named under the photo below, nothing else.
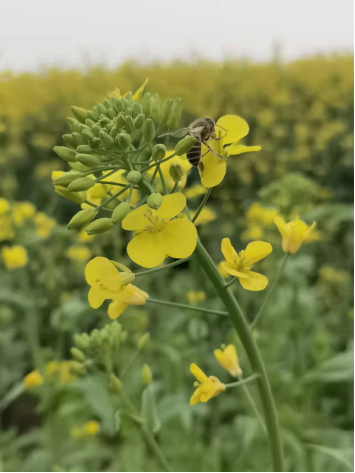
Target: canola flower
(14, 257)
(79, 253)
(207, 387)
(63, 371)
(206, 215)
(195, 297)
(33, 379)
(293, 233)
(130, 295)
(227, 357)
(240, 264)
(88, 429)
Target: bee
(202, 129)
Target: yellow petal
(172, 205)
(95, 297)
(281, 225)
(195, 398)
(228, 251)
(235, 149)
(147, 249)
(312, 227)
(136, 220)
(132, 295)
(101, 269)
(116, 308)
(198, 373)
(137, 95)
(236, 128)
(299, 229)
(255, 282)
(180, 238)
(214, 170)
(230, 268)
(257, 250)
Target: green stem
(229, 283)
(237, 317)
(158, 162)
(189, 307)
(130, 364)
(203, 203)
(130, 193)
(175, 188)
(268, 295)
(96, 206)
(113, 197)
(161, 175)
(243, 381)
(161, 268)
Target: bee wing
(197, 130)
(178, 133)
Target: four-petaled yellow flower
(240, 264)
(228, 359)
(157, 235)
(293, 233)
(207, 387)
(230, 129)
(33, 379)
(14, 257)
(130, 295)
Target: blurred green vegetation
(302, 115)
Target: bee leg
(201, 168)
(213, 151)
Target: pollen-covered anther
(156, 224)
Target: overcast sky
(74, 33)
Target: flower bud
(101, 225)
(133, 177)
(107, 104)
(120, 120)
(119, 106)
(137, 109)
(112, 113)
(104, 121)
(129, 125)
(115, 384)
(82, 341)
(106, 139)
(77, 354)
(81, 184)
(77, 197)
(82, 218)
(67, 178)
(146, 104)
(88, 159)
(165, 112)
(147, 376)
(95, 130)
(79, 113)
(93, 115)
(77, 368)
(175, 116)
(159, 152)
(101, 109)
(79, 167)
(123, 140)
(129, 112)
(69, 140)
(154, 201)
(84, 149)
(129, 100)
(176, 172)
(89, 122)
(87, 135)
(120, 212)
(143, 341)
(83, 127)
(139, 120)
(185, 145)
(148, 130)
(74, 125)
(155, 107)
(114, 131)
(65, 153)
(79, 139)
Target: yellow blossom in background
(83, 237)
(14, 257)
(60, 370)
(129, 295)
(88, 429)
(23, 211)
(33, 380)
(230, 129)
(293, 233)
(136, 96)
(195, 191)
(44, 225)
(240, 264)
(165, 166)
(78, 253)
(157, 236)
(4, 206)
(195, 297)
(6, 227)
(260, 214)
(332, 274)
(206, 215)
(98, 192)
(228, 358)
(207, 387)
(253, 232)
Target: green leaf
(338, 369)
(149, 410)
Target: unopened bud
(104, 121)
(148, 130)
(114, 131)
(101, 225)
(107, 104)
(95, 130)
(67, 178)
(175, 116)
(106, 139)
(143, 341)
(185, 145)
(102, 110)
(80, 114)
(120, 120)
(77, 367)
(120, 212)
(155, 107)
(77, 197)
(123, 140)
(74, 124)
(133, 177)
(93, 115)
(147, 375)
(129, 125)
(88, 136)
(129, 112)
(137, 109)
(165, 112)
(77, 354)
(146, 104)
(139, 120)
(82, 341)
(159, 152)
(119, 106)
(79, 167)
(84, 149)
(176, 172)
(115, 384)
(79, 139)
(88, 160)
(154, 201)
(65, 153)
(69, 140)
(82, 218)
(89, 122)
(81, 184)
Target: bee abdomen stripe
(194, 155)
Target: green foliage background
(302, 115)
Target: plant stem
(161, 175)
(130, 364)
(113, 197)
(252, 351)
(161, 268)
(189, 307)
(268, 295)
(158, 162)
(203, 203)
(241, 382)
(229, 283)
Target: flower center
(156, 224)
(241, 263)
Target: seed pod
(79, 113)
(95, 130)
(147, 375)
(154, 201)
(74, 124)
(101, 225)
(115, 384)
(84, 149)
(79, 139)
(65, 153)
(159, 152)
(88, 135)
(146, 104)
(137, 109)
(67, 178)
(165, 112)
(120, 212)
(148, 130)
(106, 139)
(155, 107)
(185, 145)
(138, 122)
(129, 125)
(175, 116)
(107, 104)
(101, 109)
(82, 218)
(133, 177)
(93, 115)
(120, 120)
(123, 140)
(81, 184)
(77, 197)
(77, 354)
(176, 172)
(143, 341)
(88, 160)
(69, 140)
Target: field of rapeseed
(91, 385)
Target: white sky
(75, 33)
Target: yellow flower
(33, 379)
(120, 179)
(44, 224)
(83, 237)
(195, 297)
(195, 191)
(14, 257)
(136, 96)
(240, 264)
(333, 275)
(157, 235)
(222, 271)
(207, 387)
(165, 166)
(23, 211)
(207, 215)
(4, 206)
(228, 359)
(6, 227)
(105, 280)
(60, 370)
(78, 253)
(260, 214)
(97, 192)
(129, 295)
(227, 144)
(293, 233)
(253, 232)
(91, 428)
